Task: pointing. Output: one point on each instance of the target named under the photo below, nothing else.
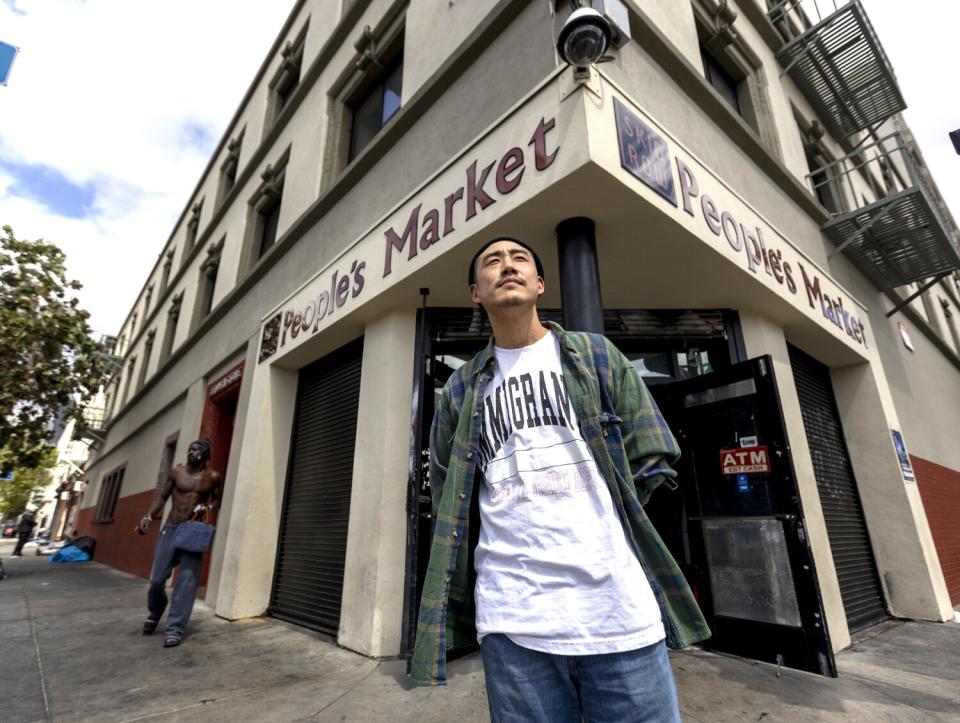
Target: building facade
(738, 187)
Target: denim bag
(194, 535)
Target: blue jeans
(525, 685)
(165, 558)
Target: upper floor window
(165, 274)
(131, 366)
(287, 77)
(208, 282)
(721, 80)
(170, 332)
(374, 106)
(229, 168)
(193, 227)
(148, 297)
(147, 351)
(263, 225)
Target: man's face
(194, 454)
(506, 275)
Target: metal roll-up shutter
(856, 568)
(308, 581)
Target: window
(721, 80)
(229, 168)
(818, 158)
(193, 226)
(165, 277)
(109, 494)
(374, 107)
(951, 323)
(131, 365)
(133, 326)
(208, 282)
(173, 315)
(146, 301)
(287, 77)
(268, 220)
(147, 350)
(735, 70)
(265, 205)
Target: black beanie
(471, 274)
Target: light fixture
(584, 38)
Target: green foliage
(49, 365)
(17, 492)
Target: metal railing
(880, 169)
(795, 17)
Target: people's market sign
(726, 220)
(424, 223)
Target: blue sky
(106, 125)
(46, 185)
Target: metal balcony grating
(839, 66)
(904, 241)
(897, 239)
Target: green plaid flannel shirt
(633, 448)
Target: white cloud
(111, 92)
(106, 92)
(920, 41)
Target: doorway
(665, 346)
(219, 414)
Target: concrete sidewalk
(72, 651)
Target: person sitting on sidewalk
(194, 489)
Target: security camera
(584, 38)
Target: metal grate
(308, 582)
(897, 239)
(838, 64)
(472, 323)
(860, 588)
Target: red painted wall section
(117, 544)
(940, 490)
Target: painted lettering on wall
(485, 182)
(425, 227)
(744, 235)
(760, 257)
(343, 287)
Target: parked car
(9, 529)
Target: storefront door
(737, 526)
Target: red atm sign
(745, 460)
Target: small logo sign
(745, 460)
(8, 53)
(268, 341)
(905, 467)
(644, 153)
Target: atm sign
(745, 460)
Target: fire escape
(883, 218)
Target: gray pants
(165, 558)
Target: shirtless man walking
(194, 488)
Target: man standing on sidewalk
(27, 523)
(550, 441)
(194, 489)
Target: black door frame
(418, 497)
(807, 647)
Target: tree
(50, 367)
(16, 492)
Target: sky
(114, 107)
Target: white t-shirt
(555, 572)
